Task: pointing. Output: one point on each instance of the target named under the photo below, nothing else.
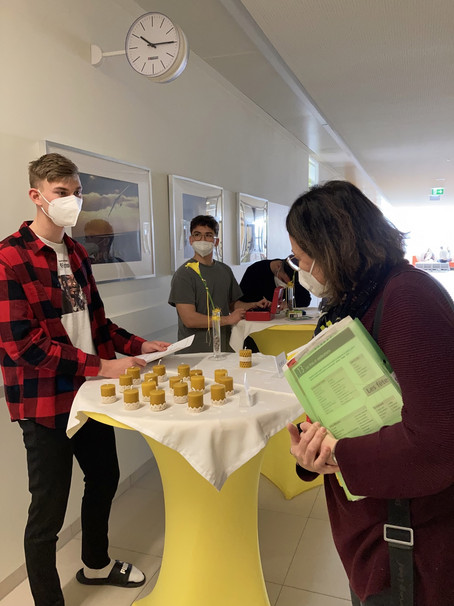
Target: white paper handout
(156, 355)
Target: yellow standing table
(211, 552)
(275, 336)
(283, 338)
(272, 338)
(210, 465)
(279, 465)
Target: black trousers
(380, 599)
(49, 459)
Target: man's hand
(150, 346)
(312, 447)
(112, 369)
(235, 316)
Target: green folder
(344, 381)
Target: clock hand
(167, 42)
(148, 42)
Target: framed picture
(116, 221)
(252, 228)
(187, 199)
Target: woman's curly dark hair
(346, 234)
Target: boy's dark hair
(53, 167)
(205, 221)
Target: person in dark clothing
(261, 278)
(348, 253)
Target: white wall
(197, 126)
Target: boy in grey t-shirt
(188, 293)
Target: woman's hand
(312, 447)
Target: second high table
(277, 335)
(209, 464)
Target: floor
(300, 564)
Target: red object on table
(263, 315)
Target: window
(313, 172)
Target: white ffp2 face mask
(64, 212)
(279, 282)
(202, 247)
(307, 280)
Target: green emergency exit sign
(438, 191)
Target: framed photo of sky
(116, 221)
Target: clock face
(156, 47)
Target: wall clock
(156, 47)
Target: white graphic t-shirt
(75, 317)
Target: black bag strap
(398, 532)
(377, 320)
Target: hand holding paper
(153, 346)
(156, 355)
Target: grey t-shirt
(187, 287)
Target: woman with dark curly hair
(348, 253)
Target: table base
(211, 552)
(279, 465)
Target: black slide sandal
(118, 577)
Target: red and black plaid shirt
(42, 370)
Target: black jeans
(380, 599)
(49, 459)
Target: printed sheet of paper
(157, 355)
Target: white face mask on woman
(202, 247)
(64, 212)
(307, 280)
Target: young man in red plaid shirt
(54, 334)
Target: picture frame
(115, 224)
(187, 199)
(252, 215)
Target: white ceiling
(366, 85)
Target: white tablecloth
(245, 327)
(218, 440)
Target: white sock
(100, 573)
